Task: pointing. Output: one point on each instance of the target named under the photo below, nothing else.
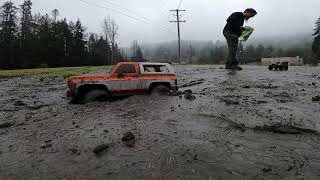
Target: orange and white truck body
(127, 78)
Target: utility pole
(178, 21)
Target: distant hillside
(292, 41)
(167, 51)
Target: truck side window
(156, 69)
(126, 68)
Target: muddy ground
(254, 124)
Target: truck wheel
(160, 90)
(96, 95)
(270, 68)
(78, 99)
(286, 68)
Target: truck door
(127, 81)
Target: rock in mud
(36, 105)
(129, 139)
(180, 93)
(266, 169)
(189, 95)
(267, 86)
(6, 125)
(19, 103)
(46, 146)
(100, 148)
(231, 102)
(316, 99)
(75, 151)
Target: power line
(133, 12)
(118, 12)
(124, 14)
(180, 4)
(126, 9)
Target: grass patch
(63, 72)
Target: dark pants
(232, 40)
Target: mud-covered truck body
(127, 78)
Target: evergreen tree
(218, 55)
(316, 41)
(79, 46)
(59, 33)
(118, 54)
(92, 43)
(250, 54)
(8, 35)
(260, 52)
(102, 57)
(26, 21)
(137, 54)
(44, 45)
(26, 35)
(55, 14)
(270, 52)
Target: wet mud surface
(254, 124)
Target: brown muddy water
(253, 124)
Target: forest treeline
(34, 40)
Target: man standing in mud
(232, 31)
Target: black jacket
(235, 22)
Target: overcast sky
(205, 18)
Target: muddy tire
(160, 90)
(96, 95)
(78, 99)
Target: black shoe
(228, 66)
(236, 67)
